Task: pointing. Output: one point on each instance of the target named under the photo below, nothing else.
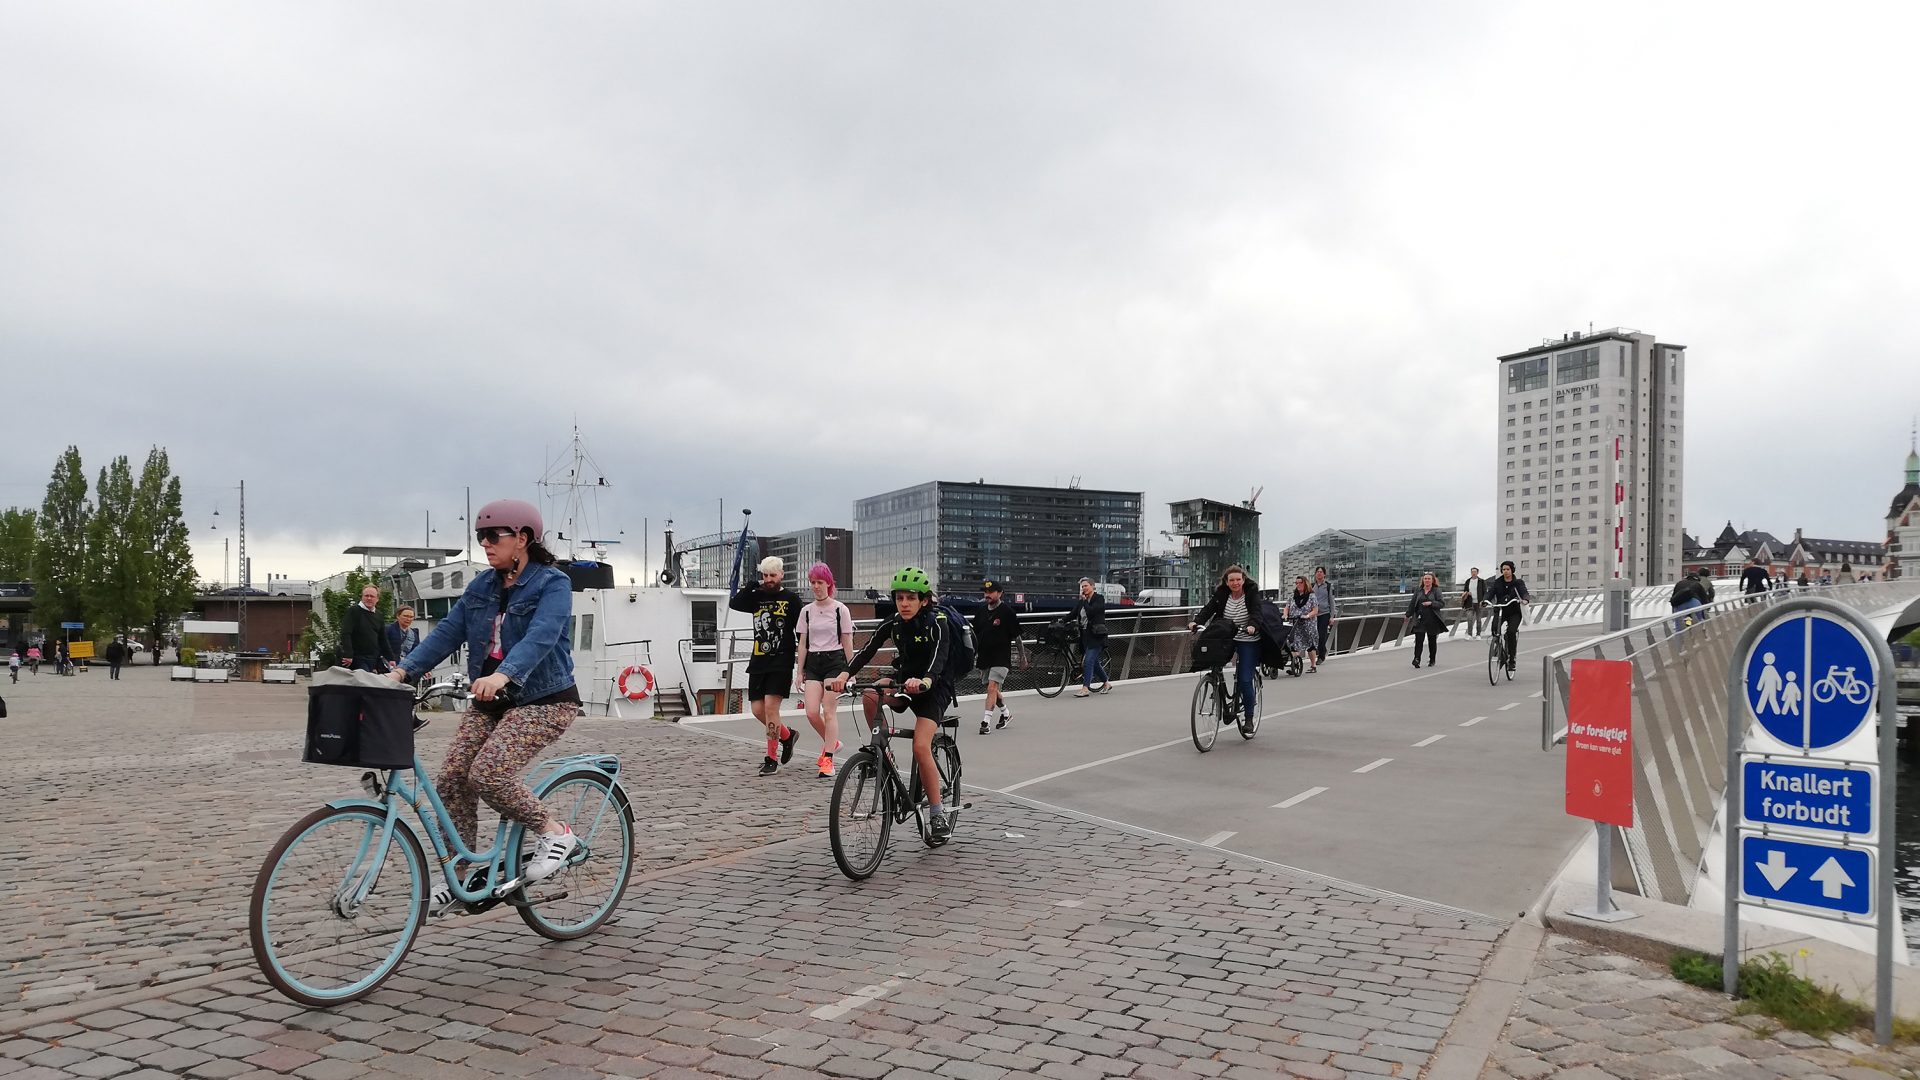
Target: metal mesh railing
(1679, 708)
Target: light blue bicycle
(344, 892)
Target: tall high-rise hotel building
(1577, 416)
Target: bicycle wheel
(1250, 728)
(859, 816)
(946, 759)
(1205, 714)
(580, 897)
(1494, 660)
(1050, 672)
(313, 940)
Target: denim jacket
(536, 636)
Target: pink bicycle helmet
(512, 514)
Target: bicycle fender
(359, 804)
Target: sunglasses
(492, 536)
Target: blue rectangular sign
(1791, 795)
(73, 626)
(1826, 880)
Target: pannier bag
(1212, 648)
(359, 719)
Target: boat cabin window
(706, 628)
(439, 580)
(457, 575)
(584, 639)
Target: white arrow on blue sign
(1830, 880)
(1810, 681)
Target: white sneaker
(550, 854)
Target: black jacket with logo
(919, 645)
(995, 630)
(775, 614)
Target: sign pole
(1599, 784)
(1778, 870)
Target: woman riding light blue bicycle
(515, 621)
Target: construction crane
(1253, 498)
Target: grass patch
(1770, 987)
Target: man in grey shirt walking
(1323, 599)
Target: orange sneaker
(826, 766)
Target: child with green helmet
(921, 638)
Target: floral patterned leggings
(487, 757)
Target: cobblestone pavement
(144, 808)
(1036, 944)
(1587, 1014)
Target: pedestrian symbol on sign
(1810, 682)
(1769, 687)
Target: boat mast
(567, 482)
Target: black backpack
(961, 651)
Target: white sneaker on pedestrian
(550, 854)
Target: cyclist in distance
(1507, 588)
(826, 637)
(515, 619)
(921, 638)
(1237, 600)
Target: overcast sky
(362, 256)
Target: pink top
(822, 627)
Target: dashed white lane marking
(1429, 740)
(1535, 694)
(1510, 705)
(1298, 799)
(862, 996)
(1372, 765)
(1470, 723)
(1218, 838)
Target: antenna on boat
(572, 485)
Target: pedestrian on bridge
(1424, 613)
(1305, 615)
(1090, 615)
(1754, 580)
(1473, 597)
(1323, 601)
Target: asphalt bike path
(1426, 783)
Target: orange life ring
(638, 692)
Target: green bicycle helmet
(911, 579)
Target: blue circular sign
(1810, 681)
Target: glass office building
(1038, 540)
(1369, 562)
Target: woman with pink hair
(826, 637)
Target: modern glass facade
(805, 547)
(1369, 562)
(1038, 540)
(1218, 535)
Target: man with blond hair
(775, 613)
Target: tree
(323, 626)
(16, 544)
(172, 577)
(60, 544)
(119, 585)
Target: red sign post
(1600, 742)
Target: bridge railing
(1679, 708)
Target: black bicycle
(1058, 660)
(869, 795)
(1214, 705)
(1497, 658)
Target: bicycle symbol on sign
(1840, 682)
